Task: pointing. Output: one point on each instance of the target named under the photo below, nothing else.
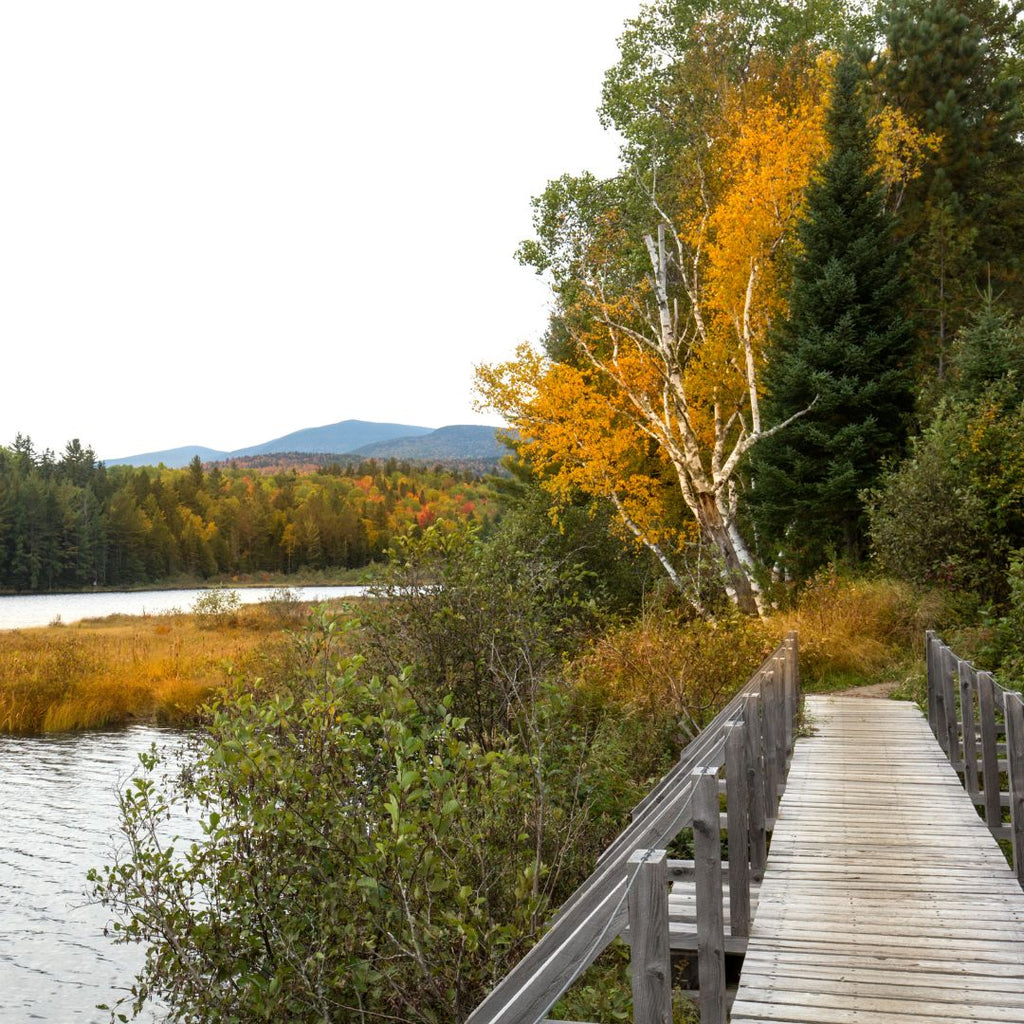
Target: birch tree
(655, 400)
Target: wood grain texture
(885, 897)
(1014, 711)
(650, 964)
(989, 750)
(737, 827)
(707, 856)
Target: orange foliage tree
(660, 382)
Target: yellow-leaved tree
(664, 316)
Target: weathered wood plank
(736, 827)
(949, 689)
(707, 856)
(651, 967)
(1014, 712)
(989, 750)
(968, 737)
(885, 897)
(757, 811)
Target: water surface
(23, 611)
(58, 815)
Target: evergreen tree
(840, 353)
(949, 66)
(989, 348)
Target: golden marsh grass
(111, 671)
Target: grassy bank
(122, 668)
(163, 668)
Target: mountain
(173, 458)
(334, 438)
(352, 437)
(473, 442)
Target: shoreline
(344, 578)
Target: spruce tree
(950, 66)
(841, 353)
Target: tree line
(69, 521)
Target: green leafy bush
(951, 513)
(216, 605)
(358, 854)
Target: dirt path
(876, 690)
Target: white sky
(224, 221)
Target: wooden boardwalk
(886, 898)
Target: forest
(782, 387)
(68, 521)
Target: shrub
(486, 623)
(283, 608)
(950, 514)
(677, 673)
(216, 606)
(357, 853)
(999, 645)
(853, 629)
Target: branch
(746, 443)
(656, 549)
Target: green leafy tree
(840, 354)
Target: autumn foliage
(661, 399)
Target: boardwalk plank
(885, 897)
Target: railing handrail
(964, 705)
(597, 911)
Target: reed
(854, 630)
(111, 671)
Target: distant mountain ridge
(334, 438)
(468, 440)
(348, 437)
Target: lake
(58, 796)
(23, 611)
(58, 819)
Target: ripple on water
(58, 819)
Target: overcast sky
(224, 221)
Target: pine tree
(949, 66)
(841, 353)
(988, 349)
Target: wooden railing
(980, 726)
(628, 893)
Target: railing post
(737, 828)
(939, 696)
(949, 660)
(793, 686)
(786, 666)
(769, 743)
(929, 661)
(649, 937)
(1015, 770)
(755, 786)
(970, 742)
(989, 753)
(779, 708)
(707, 856)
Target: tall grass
(660, 669)
(122, 668)
(856, 631)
